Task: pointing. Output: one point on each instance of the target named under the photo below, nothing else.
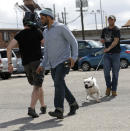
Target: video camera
(32, 19)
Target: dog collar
(89, 86)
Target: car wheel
(85, 66)
(124, 64)
(5, 76)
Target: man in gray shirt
(60, 54)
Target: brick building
(6, 35)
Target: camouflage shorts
(34, 78)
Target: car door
(84, 48)
(5, 60)
(96, 58)
(1, 65)
(14, 60)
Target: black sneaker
(43, 110)
(32, 113)
(57, 114)
(73, 109)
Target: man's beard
(46, 23)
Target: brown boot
(108, 91)
(114, 93)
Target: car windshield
(128, 47)
(94, 44)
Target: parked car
(125, 56)
(4, 74)
(92, 60)
(86, 47)
(127, 41)
(20, 68)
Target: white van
(4, 73)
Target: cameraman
(29, 41)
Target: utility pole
(16, 16)
(101, 13)
(82, 4)
(106, 20)
(95, 20)
(58, 17)
(82, 20)
(95, 15)
(65, 21)
(63, 18)
(54, 9)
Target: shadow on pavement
(14, 77)
(17, 76)
(31, 126)
(23, 120)
(92, 102)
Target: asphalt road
(112, 114)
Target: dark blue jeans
(111, 62)
(61, 90)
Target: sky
(11, 17)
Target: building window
(6, 36)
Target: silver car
(20, 68)
(4, 73)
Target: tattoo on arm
(115, 42)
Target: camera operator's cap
(112, 17)
(47, 12)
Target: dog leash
(98, 65)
